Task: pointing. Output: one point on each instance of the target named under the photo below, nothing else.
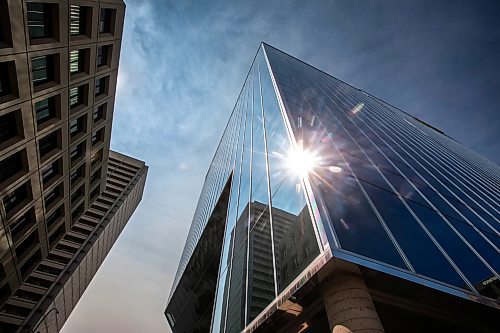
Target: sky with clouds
(182, 66)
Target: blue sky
(183, 64)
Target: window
(95, 176)
(77, 151)
(40, 19)
(77, 212)
(5, 88)
(100, 86)
(103, 55)
(76, 126)
(8, 126)
(53, 196)
(45, 110)
(79, 16)
(30, 264)
(42, 69)
(16, 198)
(50, 172)
(48, 143)
(19, 227)
(77, 174)
(76, 96)
(78, 194)
(98, 136)
(5, 35)
(56, 235)
(96, 157)
(76, 61)
(11, 166)
(55, 216)
(94, 193)
(105, 22)
(100, 112)
(28, 244)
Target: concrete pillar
(348, 304)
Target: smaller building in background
(51, 291)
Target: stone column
(348, 304)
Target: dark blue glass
(470, 265)
(354, 222)
(418, 247)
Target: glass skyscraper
(312, 177)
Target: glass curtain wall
(269, 237)
(398, 192)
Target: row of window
(44, 25)
(20, 196)
(43, 19)
(46, 111)
(44, 68)
(25, 236)
(46, 73)
(16, 164)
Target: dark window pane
(105, 20)
(45, 110)
(464, 258)
(77, 174)
(100, 86)
(39, 20)
(99, 113)
(95, 176)
(26, 221)
(479, 243)
(50, 172)
(422, 253)
(103, 55)
(5, 33)
(98, 136)
(15, 198)
(78, 194)
(77, 151)
(5, 88)
(96, 157)
(8, 127)
(10, 166)
(55, 216)
(357, 227)
(42, 69)
(55, 194)
(27, 245)
(48, 144)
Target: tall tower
(60, 186)
(327, 209)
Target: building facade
(58, 192)
(325, 208)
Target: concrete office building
(326, 209)
(64, 196)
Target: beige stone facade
(58, 75)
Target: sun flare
(301, 161)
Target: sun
(301, 161)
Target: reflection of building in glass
(327, 207)
(64, 196)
